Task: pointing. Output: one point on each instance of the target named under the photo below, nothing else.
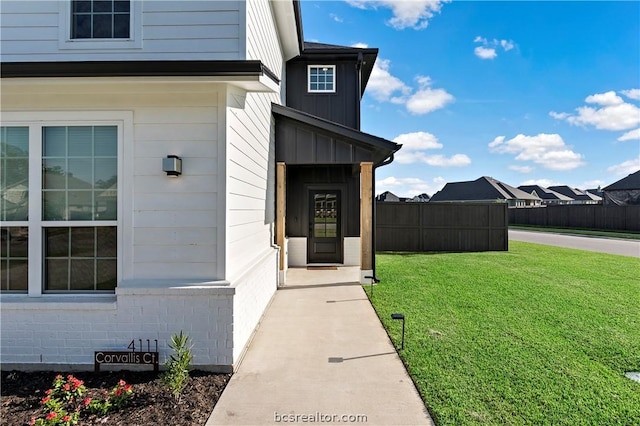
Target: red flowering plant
(112, 400)
(64, 402)
(60, 402)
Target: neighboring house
(113, 244)
(548, 196)
(625, 192)
(595, 191)
(485, 189)
(388, 196)
(577, 196)
(421, 198)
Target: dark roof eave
(347, 132)
(329, 49)
(251, 68)
(298, 16)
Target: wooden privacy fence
(455, 227)
(622, 218)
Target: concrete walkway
(320, 356)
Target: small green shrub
(177, 366)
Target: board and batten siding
(169, 30)
(171, 224)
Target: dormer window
(322, 79)
(100, 19)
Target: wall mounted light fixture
(172, 165)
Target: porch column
(366, 220)
(281, 186)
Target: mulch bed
(150, 404)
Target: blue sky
(541, 92)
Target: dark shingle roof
(574, 193)
(484, 188)
(544, 193)
(630, 182)
(387, 196)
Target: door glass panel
(325, 217)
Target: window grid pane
(108, 19)
(14, 264)
(79, 173)
(14, 173)
(80, 259)
(321, 79)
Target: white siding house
(195, 252)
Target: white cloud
(613, 113)
(521, 169)
(625, 168)
(409, 187)
(426, 99)
(614, 117)
(415, 145)
(630, 135)
(608, 98)
(507, 45)
(382, 85)
(485, 52)
(385, 87)
(360, 46)
(336, 17)
(545, 183)
(417, 141)
(406, 14)
(457, 160)
(632, 94)
(547, 150)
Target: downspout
(373, 214)
(359, 87)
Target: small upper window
(322, 78)
(92, 19)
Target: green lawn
(536, 335)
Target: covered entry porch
(325, 191)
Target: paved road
(598, 244)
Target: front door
(325, 236)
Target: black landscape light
(374, 280)
(399, 317)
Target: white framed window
(14, 208)
(69, 240)
(321, 78)
(100, 24)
